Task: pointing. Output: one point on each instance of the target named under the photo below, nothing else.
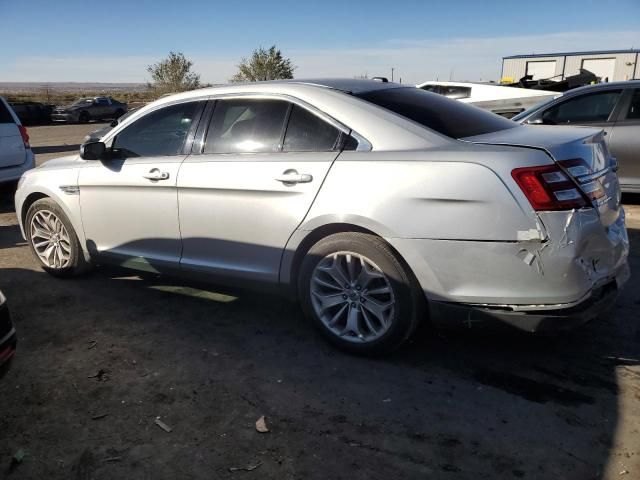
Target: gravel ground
(102, 357)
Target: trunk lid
(580, 151)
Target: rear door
(12, 150)
(624, 141)
(252, 184)
(101, 108)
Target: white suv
(16, 156)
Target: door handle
(291, 177)
(155, 175)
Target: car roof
(605, 86)
(346, 85)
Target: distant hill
(29, 87)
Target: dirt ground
(102, 357)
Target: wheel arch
(302, 241)
(28, 201)
(34, 196)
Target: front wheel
(53, 240)
(359, 294)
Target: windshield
(448, 117)
(524, 114)
(83, 100)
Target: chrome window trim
(363, 144)
(131, 120)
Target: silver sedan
(376, 205)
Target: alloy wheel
(50, 239)
(352, 297)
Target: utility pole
(392, 69)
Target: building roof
(569, 54)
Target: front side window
(634, 107)
(102, 101)
(246, 126)
(307, 132)
(159, 133)
(595, 107)
(431, 88)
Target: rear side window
(449, 117)
(5, 115)
(159, 133)
(634, 107)
(307, 132)
(594, 107)
(431, 88)
(246, 126)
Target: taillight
(548, 188)
(25, 135)
(590, 183)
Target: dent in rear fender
(579, 256)
(424, 199)
(579, 235)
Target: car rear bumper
(541, 319)
(10, 174)
(62, 117)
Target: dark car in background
(7, 336)
(97, 134)
(91, 108)
(32, 113)
(614, 107)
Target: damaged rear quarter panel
(436, 194)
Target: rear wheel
(53, 240)
(359, 294)
(84, 117)
(118, 113)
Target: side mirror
(93, 151)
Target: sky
(115, 40)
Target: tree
(173, 74)
(264, 65)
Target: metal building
(611, 65)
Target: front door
(246, 193)
(129, 203)
(624, 143)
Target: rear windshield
(5, 116)
(448, 117)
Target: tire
(84, 117)
(118, 114)
(381, 281)
(46, 212)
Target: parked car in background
(97, 134)
(7, 336)
(505, 101)
(372, 203)
(32, 113)
(614, 107)
(16, 156)
(86, 109)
